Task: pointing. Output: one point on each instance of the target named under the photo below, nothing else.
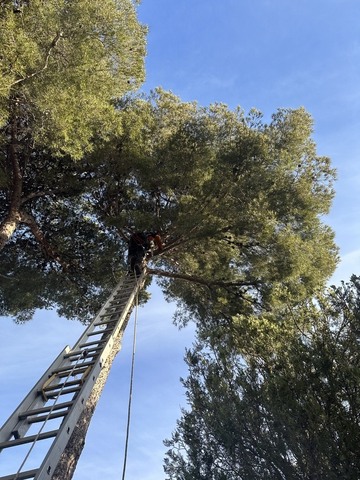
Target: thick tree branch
(11, 221)
(34, 195)
(17, 177)
(39, 235)
(199, 280)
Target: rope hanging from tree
(131, 387)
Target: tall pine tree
(287, 409)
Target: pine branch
(39, 235)
(201, 281)
(35, 195)
(46, 63)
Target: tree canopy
(64, 65)
(289, 411)
(239, 203)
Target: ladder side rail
(52, 458)
(53, 455)
(106, 305)
(119, 325)
(32, 400)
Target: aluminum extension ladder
(62, 392)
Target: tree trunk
(8, 227)
(12, 220)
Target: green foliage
(287, 415)
(63, 64)
(239, 202)
(91, 263)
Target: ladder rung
(78, 353)
(99, 332)
(42, 418)
(96, 342)
(53, 394)
(69, 368)
(29, 439)
(109, 314)
(62, 384)
(119, 308)
(65, 373)
(105, 322)
(20, 475)
(119, 299)
(36, 411)
(117, 304)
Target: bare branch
(34, 195)
(46, 63)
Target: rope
(131, 387)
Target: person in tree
(155, 242)
(140, 245)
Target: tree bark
(8, 227)
(12, 220)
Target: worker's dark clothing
(138, 246)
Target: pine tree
(239, 203)
(63, 65)
(288, 410)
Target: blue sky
(253, 53)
